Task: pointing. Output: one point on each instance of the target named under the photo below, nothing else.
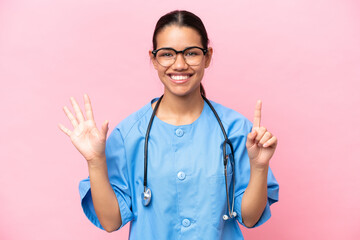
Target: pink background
(301, 57)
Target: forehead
(178, 37)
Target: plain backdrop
(300, 57)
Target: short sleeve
(242, 170)
(119, 180)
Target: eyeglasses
(167, 56)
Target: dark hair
(186, 19)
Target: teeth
(179, 77)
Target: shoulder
(231, 119)
(134, 120)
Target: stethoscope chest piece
(146, 197)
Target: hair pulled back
(182, 18)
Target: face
(180, 79)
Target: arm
(255, 197)
(90, 142)
(261, 146)
(104, 199)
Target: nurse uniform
(185, 175)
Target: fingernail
(265, 145)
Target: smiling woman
(188, 168)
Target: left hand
(260, 143)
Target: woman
(189, 198)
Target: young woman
(181, 167)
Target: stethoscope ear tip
(226, 217)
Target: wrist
(257, 170)
(258, 167)
(97, 163)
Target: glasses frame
(154, 52)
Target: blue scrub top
(185, 175)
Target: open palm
(87, 139)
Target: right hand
(87, 139)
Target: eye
(165, 54)
(193, 52)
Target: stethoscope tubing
(146, 195)
(147, 139)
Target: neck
(180, 110)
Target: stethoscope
(146, 195)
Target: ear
(208, 57)
(153, 60)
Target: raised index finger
(88, 108)
(257, 115)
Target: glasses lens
(193, 56)
(166, 57)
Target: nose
(180, 62)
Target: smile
(179, 78)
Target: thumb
(251, 138)
(105, 128)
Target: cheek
(200, 71)
(160, 70)
(161, 75)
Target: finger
(261, 131)
(88, 109)
(251, 136)
(71, 117)
(77, 110)
(64, 129)
(265, 138)
(257, 114)
(251, 139)
(271, 142)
